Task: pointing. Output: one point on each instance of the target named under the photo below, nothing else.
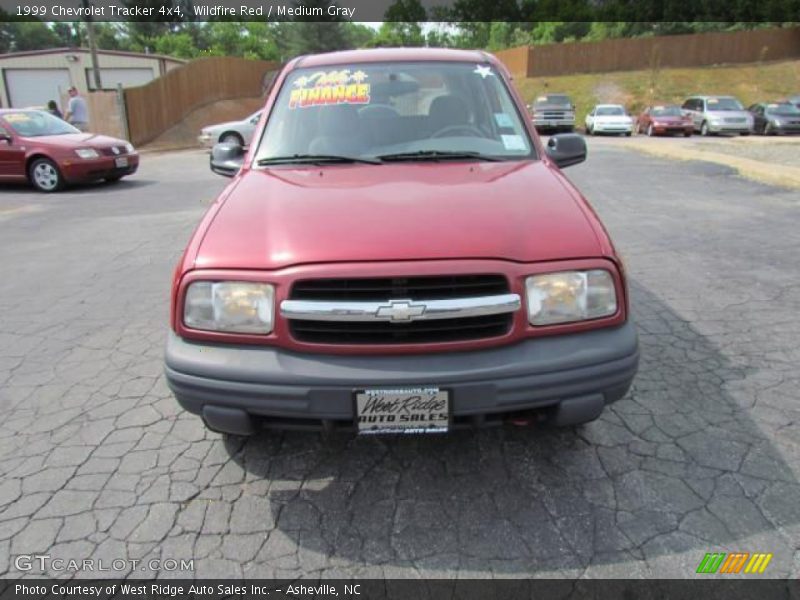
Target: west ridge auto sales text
(162, 589)
(202, 11)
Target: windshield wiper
(436, 155)
(314, 158)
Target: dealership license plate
(122, 161)
(402, 410)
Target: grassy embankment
(750, 83)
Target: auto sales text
(171, 590)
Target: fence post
(122, 111)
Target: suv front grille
(416, 288)
(385, 289)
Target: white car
(609, 118)
(233, 132)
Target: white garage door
(35, 87)
(110, 78)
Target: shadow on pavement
(676, 468)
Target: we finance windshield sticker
(331, 87)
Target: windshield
(666, 111)
(34, 123)
(374, 110)
(724, 104)
(788, 110)
(610, 111)
(557, 100)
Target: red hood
(77, 140)
(289, 216)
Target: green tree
(311, 34)
(30, 35)
(359, 36)
(396, 34)
(440, 37)
(180, 45)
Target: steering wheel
(469, 129)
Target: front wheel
(704, 129)
(45, 176)
(628, 134)
(650, 131)
(744, 133)
(113, 179)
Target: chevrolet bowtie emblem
(399, 311)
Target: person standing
(77, 111)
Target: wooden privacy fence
(644, 53)
(155, 107)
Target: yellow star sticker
(358, 76)
(301, 81)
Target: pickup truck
(398, 253)
(553, 112)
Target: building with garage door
(29, 79)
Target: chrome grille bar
(400, 310)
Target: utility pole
(92, 45)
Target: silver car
(718, 114)
(233, 132)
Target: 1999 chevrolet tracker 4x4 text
(398, 252)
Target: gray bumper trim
(274, 382)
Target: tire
(628, 134)
(590, 130)
(744, 133)
(113, 179)
(650, 131)
(231, 137)
(704, 129)
(687, 134)
(44, 175)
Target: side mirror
(566, 149)
(227, 159)
(4, 137)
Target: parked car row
(706, 115)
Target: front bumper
(729, 127)
(567, 379)
(788, 128)
(667, 129)
(612, 128)
(98, 168)
(554, 123)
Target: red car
(664, 119)
(398, 252)
(49, 153)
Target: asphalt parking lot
(97, 459)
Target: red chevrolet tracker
(398, 252)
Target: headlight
(570, 296)
(87, 153)
(129, 148)
(234, 306)
(776, 122)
